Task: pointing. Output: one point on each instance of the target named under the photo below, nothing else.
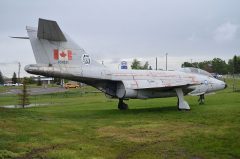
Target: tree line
(26, 80)
(218, 65)
(136, 65)
(215, 65)
(14, 79)
(1, 78)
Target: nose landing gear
(201, 99)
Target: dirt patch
(35, 153)
(128, 153)
(146, 136)
(146, 133)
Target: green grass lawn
(77, 125)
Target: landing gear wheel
(122, 105)
(201, 99)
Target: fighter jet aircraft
(58, 56)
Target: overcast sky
(115, 30)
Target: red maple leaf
(63, 54)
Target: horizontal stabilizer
(49, 30)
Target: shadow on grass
(151, 109)
(115, 113)
(136, 111)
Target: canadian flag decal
(62, 55)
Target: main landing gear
(201, 99)
(122, 105)
(182, 104)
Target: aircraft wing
(156, 84)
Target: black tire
(122, 105)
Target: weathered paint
(65, 59)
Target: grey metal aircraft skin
(58, 56)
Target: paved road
(36, 91)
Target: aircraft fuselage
(131, 83)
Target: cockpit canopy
(195, 70)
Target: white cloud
(226, 32)
(112, 31)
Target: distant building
(44, 80)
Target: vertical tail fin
(52, 47)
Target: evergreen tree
(236, 64)
(24, 96)
(219, 66)
(145, 66)
(14, 78)
(187, 64)
(136, 65)
(1, 78)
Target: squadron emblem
(86, 59)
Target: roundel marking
(86, 59)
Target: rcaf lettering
(63, 62)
